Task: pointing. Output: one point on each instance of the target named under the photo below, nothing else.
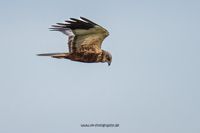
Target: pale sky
(152, 85)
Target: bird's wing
(84, 35)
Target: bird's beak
(109, 63)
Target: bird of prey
(84, 41)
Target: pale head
(107, 57)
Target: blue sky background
(152, 85)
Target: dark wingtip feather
(73, 23)
(61, 24)
(74, 19)
(56, 26)
(87, 20)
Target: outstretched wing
(84, 35)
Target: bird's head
(107, 57)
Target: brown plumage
(84, 41)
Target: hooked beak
(109, 63)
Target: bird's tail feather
(55, 55)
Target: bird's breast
(87, 57)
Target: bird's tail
(55, 55)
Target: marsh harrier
(84, 41)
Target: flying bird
(84, 41)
